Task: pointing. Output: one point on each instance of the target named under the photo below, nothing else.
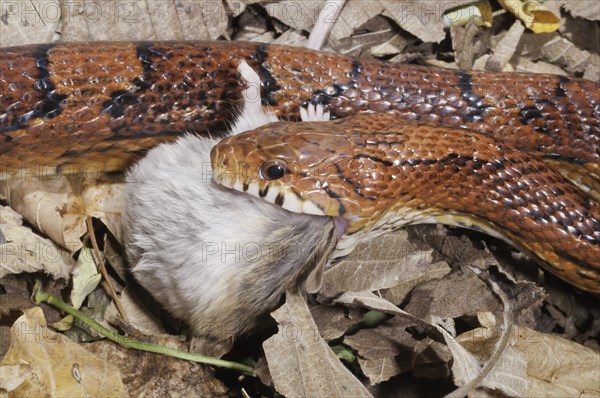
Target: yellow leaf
(480, 12)
(55, 366)
(533, 14)
(85, 277)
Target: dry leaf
(64, 324)
(50, 206)
(26, 252)
(138, 317)
(561, 51)
(385, 351)
(300, 362)
(525, 65)
(373, 302)
(25, 22)
(141, 19)
(440, 63)
(12, 376)
(479, 12)
(59, 367)
(421, 18)
(429, 272)
(370, 301)
(507, 376)
(291, 38)
(333, 321)
(586, 9)
(557, 367)
(236, 7)
(505, 48)
(115, 256)
(58, 206)
(85, 277)
(299, 15)
(469, 43)
(592, 71)
(252, 26)
(386, 262)
(22, 22)
(392, 46)
(533, 14)
(554, 49)
(104, 201)
(151, 375)
(354, 14)
(458, 249)
(385, 341)
(578, 30)
(509, 373)
(432, 359)
(454, 296)
(379, 39)
(261, 369)
(380, 369)
(568, 312)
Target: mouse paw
(251, 115)
(251, 92)
(314, 113)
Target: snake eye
(273, 169)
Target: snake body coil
(72, 107)
(68, 106)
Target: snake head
(293, 172)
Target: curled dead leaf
(23, 251)
(58, 366)
(300, 361)
(533, 14)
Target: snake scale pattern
(378, 174)
(72, 107)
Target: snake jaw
(287, 199)
(272, 192)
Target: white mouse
(213, 257)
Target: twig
(102, 267)
(500, 347)
(40, 297)
(324, 24)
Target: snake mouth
(280, 195)
(341, 225)
(277, 194)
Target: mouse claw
(310, 112)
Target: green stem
(40, 297)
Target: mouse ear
(321, 256)
(315, 278)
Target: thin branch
(102, 267)
(40, 297)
